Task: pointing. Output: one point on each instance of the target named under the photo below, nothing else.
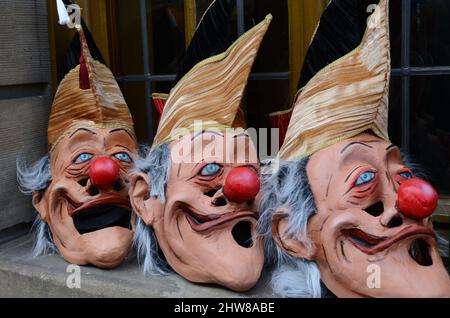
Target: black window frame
(148, 77)
(405, 71)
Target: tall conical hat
(345, 98)
(88, 96)
(211, 92)
(328, 44)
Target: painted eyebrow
(207, 131)
(355, 143)
(82, 129)
(390, 147)
(120, 129)
(117, 145)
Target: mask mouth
(200, 222)
(102, 217)
(420, 252)
(371, 244)
(108, 210)
(242, 234)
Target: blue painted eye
(85, 156)
(210, 170)
(365, 178)
(406, 175)
(123, 156)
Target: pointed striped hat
(347, 97)
(88, 96)
(211, 92)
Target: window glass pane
(263, 98)
(202, 5)
(168, 36)
(273, 56)
(430, 29)
(134, 94)
(274, 53)
(430, 127)
(395, 110)
(129, 45)
(395, 19)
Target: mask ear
(293, 246)
(145, 206)
(40, 204)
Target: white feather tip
(62, 13)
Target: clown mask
(372, 231)
(205, 227)
(86, 204)
(91, 141)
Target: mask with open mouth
(86, 205)
(205, 235)
(198, 186)
(92, 141)
(345, 203)
(365, 242)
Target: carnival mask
(373, 217)
(91, 141)
(202, 205)
(206, 225)
(361, 216)
(86, 204)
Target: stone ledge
(24, 276)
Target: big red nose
(417, 199)
(104, 172)
(241, 185)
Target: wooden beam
(190, 19)
(304, 16)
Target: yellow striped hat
(211, 92)
(345, 98)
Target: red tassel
(84, 74)
(281, 121)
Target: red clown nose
(104, 172)
(417, 199)
(242, 184)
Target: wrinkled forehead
(233, 146)
(334, 159)
(88, 138)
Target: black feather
(213, 35)
(72, 54)
(340, 31)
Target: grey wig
(288, 188)
(32, 178)
(156, 165)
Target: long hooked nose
(417, 199)
(241, 185)
(104, 172)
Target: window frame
(149, 78)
